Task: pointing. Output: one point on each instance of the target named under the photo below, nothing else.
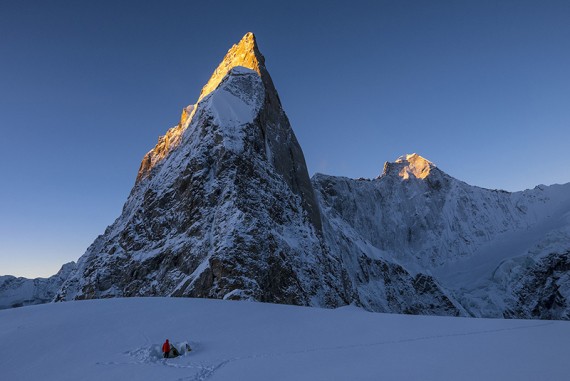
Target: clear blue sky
(480, 88)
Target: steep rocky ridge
(222, 207)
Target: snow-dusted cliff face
(496, 253)
(18, 292)
(222, 208)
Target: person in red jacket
(166, 348)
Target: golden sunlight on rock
(166, 143)
(415, 165)
(244, 53)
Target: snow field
(116, 338)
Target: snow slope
(117, 339)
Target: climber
(166, 349)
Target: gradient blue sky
(480, 88)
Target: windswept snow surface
(117, 339)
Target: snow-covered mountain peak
(409, 166)
(412, 157)
(245, 54)
(241, 58)
(414, 165)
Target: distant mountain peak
(410, 166)
(414, 165)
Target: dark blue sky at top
(481, 88)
